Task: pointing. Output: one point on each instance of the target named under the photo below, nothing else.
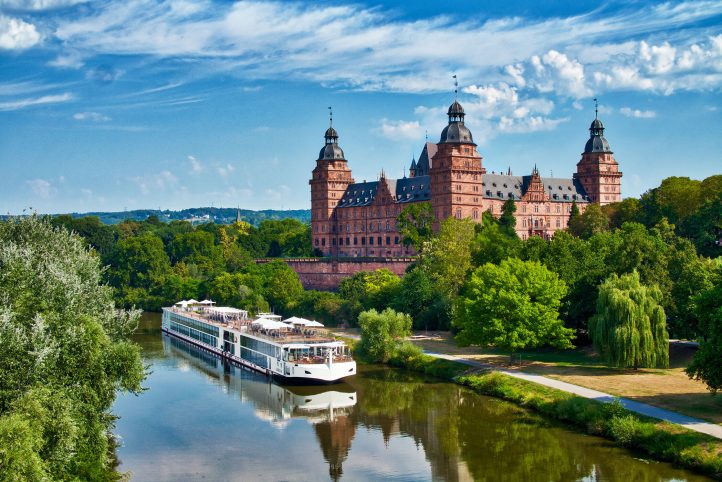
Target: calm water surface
(204, 420)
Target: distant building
(350, 218)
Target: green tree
(382, 333)
(629, 329)
(447, 256)
(280, 285)
(417, 295)
(369, 289)
(707, 365)
(628, 210)
(675, 199)
(507, 219)
(64, 356)
(573, 213)
(494, 243)
(514, 306)
(591, 222)
(415, 223)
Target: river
(201, 419)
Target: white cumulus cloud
(636, 113)
(41, 188)
(16, 34)
(196, 165)
(91, 116)
(401, 129)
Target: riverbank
(659, 440)
(668, 388)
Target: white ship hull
(234, 348)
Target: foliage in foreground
(65, 354)
(629, 329)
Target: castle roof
(503, 187)
(405, 190)
(424, 163)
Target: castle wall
(326, 274)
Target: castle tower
(598, 171)
(328, 182)
(456, 171)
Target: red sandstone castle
(359, 219)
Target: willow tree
(629, 327)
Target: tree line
(649, 258)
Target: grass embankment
(666, 388)
(660, 440)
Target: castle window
(379, 240)
(363, 241)
(340, 241)
(458, 213)
(475, 214)
(559, 223)
(323, 228)
(323, 241)
(371, 240)
(388, 240)
(396, 240)
(355, 240)
(523, 223)
(558, 209)
(547, 208)
(388, 224)
(348, 241)
(536, 208)
(316, 242)
(523, 208)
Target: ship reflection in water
(327, 407)
(203, 419)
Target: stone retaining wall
(326, 273)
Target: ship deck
(293, 335)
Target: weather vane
(456, 86)
(330, 116)
(596, 108)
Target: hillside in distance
(201, 215)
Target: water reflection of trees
(464, 436)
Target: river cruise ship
(295, 349)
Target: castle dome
(597, 142)
(331, 150)
(455, 109)
(456, 132)
(331, 133)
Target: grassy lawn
(669, 388)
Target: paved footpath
(641, 408)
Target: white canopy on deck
(270, 324)
(294, 320)
(207, 302)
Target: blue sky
(108, 105)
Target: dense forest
(670, 236)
